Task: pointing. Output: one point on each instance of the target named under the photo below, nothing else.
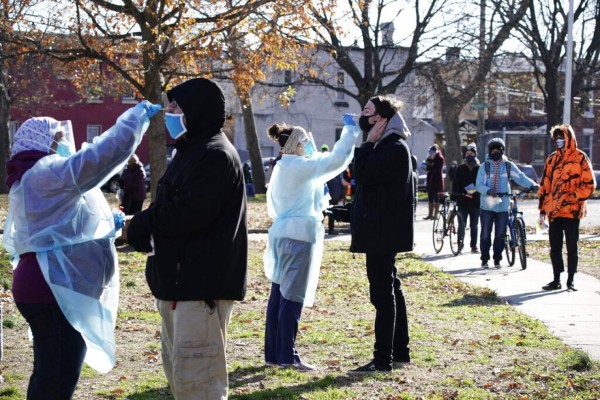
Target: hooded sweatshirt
(567, 181)
(198, 220)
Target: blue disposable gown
(58, 212)
(296, 200)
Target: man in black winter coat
(382, 224)
(196, 234)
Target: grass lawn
(466, 343)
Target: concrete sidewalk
(571, 316)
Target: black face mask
(495, 156)
(470, 159)
(363, 123)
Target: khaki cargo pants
(193, 341)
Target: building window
(287, 77)
(341, 84)
(513, 150)
(536, 101)
(129, 99)
(12, 128)
(338, 133)
(588, 99)
(585, 142)
(501, 99)
(92, 132)
(539, 150)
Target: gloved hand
(119, 217)
(535, 187)
(491, 192)
(349, 119)
(150, 109)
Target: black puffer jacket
(382, 211)
(198, 220)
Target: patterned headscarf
(298, 136)
(35, 134)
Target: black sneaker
(370, 368)
(497, 264)
(571, 287)
(552, 286)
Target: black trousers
(391, 321)
(569, 227)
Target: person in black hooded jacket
(196, 234)
(383, 224)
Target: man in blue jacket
(197, 237)
(493, 183)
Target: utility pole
(569, 72)
(481, 103)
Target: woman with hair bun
(296, 200)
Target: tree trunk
(453, 140)
(252, 143)
(4, 119)
(155, 134)
(554, 100)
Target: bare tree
(543, 32)
(458, 77)
(373, 65)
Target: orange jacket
(567, 181)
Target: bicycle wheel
(438, 232)
(521, 241)
(509, 248)
(456, 231)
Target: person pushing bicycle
(493, 179)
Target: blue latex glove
(349, 119)
(149, 108)
(119, 217)
(153, 109)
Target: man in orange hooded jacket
(566, 184)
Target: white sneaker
(484, 265)
(300, 366)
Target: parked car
(529, 171)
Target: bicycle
(516, 236)
(448, 222)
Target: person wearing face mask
(467, 198)
(493, 181)
(567, 182)
(66, 280)
(383, 225)
(435, 179)
(196, 235)
(292, 260)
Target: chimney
(387, 34)
(452, 54)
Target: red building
(89, 116)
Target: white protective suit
(58, 211)
(296, 200)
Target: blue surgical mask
(63, 149)
(175, 125)
(309, 149)
(560, 143)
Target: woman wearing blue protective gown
(60, 234)
(296, 198)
